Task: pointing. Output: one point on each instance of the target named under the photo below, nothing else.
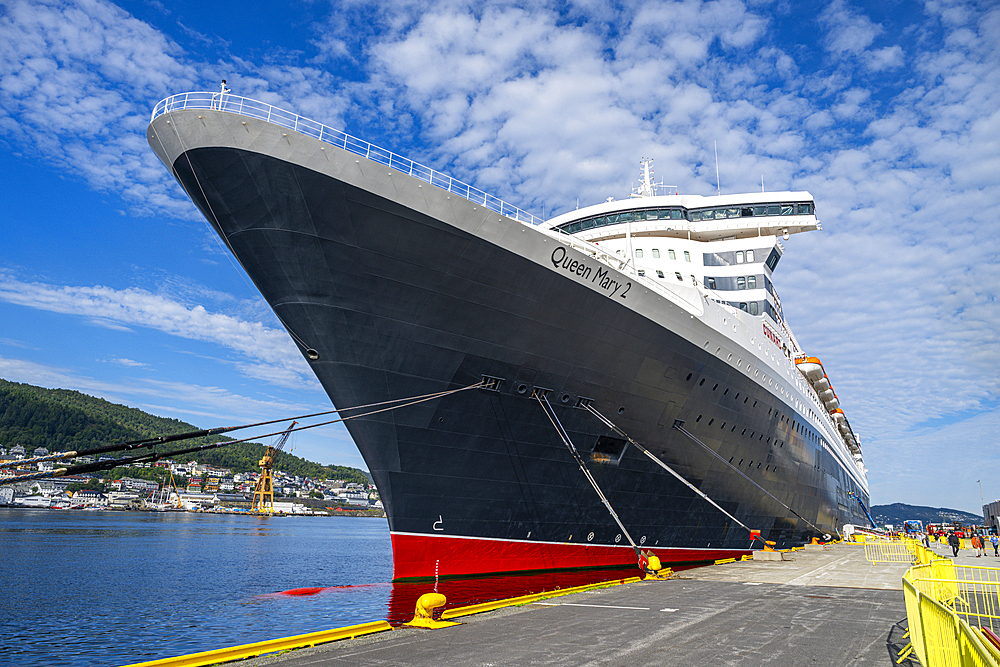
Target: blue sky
(888, 113)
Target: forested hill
(60, 419)
(896, 513)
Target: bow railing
(245, 106)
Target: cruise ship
(615, 382)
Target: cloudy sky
(887, 112)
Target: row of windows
(677, 274)
(741, 282)
(684, 214)
(656, 254)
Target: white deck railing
(245, 106)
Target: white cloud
(264, 353)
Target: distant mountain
(896, 513)
(62, 420)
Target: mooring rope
(607, 422)
(547, 408)
(144, 458)
(679, 426)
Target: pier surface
(827, 606)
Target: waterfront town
(187, 485)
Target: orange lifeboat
(811, 367)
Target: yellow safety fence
(951, 611)
(890, 552)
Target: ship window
(739, 256)
(638, 253)
(710, 421)
(652, 214)
(671, 254)
(587, 224)
(751, 281)
(741, 283)
(723, 426)
(656, 253)
(641, 272)
(688, 377)
(719, 213)
(716, 386)
(695, 216)
(743, 306)
(787, 209)
(640, 215)
(760, 210)
(733, 213)
(746, 212)
(698, 419)
(749, 256)
(575, 227)
(702, 382)
(805, 209)
(687, 256)
(625, 217)
(659, 274)
(753, 308)
(710, 282)
(677, 273)
(676, 214)
(773, 209)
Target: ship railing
(245, 106)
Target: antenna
(762, 182)
(718, 183)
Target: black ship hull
(392, 302)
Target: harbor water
(112, 588)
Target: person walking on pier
(977, 545)
(955, 543)
(995, 541)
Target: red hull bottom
(418, 557)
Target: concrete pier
(825, 606)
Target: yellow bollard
(655, 570)
(423, 615)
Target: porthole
(746, 399)
(698, 419)
(716, 386)
(702, 382)
(621, 410)
(522, 388)
(710, 421)
(590, 537)
(689, 377)
(565, 398)
(726, 391)
(723, 425)
(737, 396)
(618, 538)
(743, 432)
(642, 540)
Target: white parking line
(668, 609)
(599, 606)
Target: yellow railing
(948, 606)
(889, 552)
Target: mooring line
(679, 426)
(607, 422)
(547, 408)
(143, 458)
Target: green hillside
(60, 419)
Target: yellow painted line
(725, 561)
(271, 646)
(524, 599)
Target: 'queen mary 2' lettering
(600, 277)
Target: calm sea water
(113, 588)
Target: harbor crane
(263, 493)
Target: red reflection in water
(464, 592)
(313, 590)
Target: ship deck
(826, 606)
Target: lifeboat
(811, 367)
(832, 404)
(821, 384)
(826, 395)
(838, 416)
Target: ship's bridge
(693, 217)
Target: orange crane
(263, 493)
